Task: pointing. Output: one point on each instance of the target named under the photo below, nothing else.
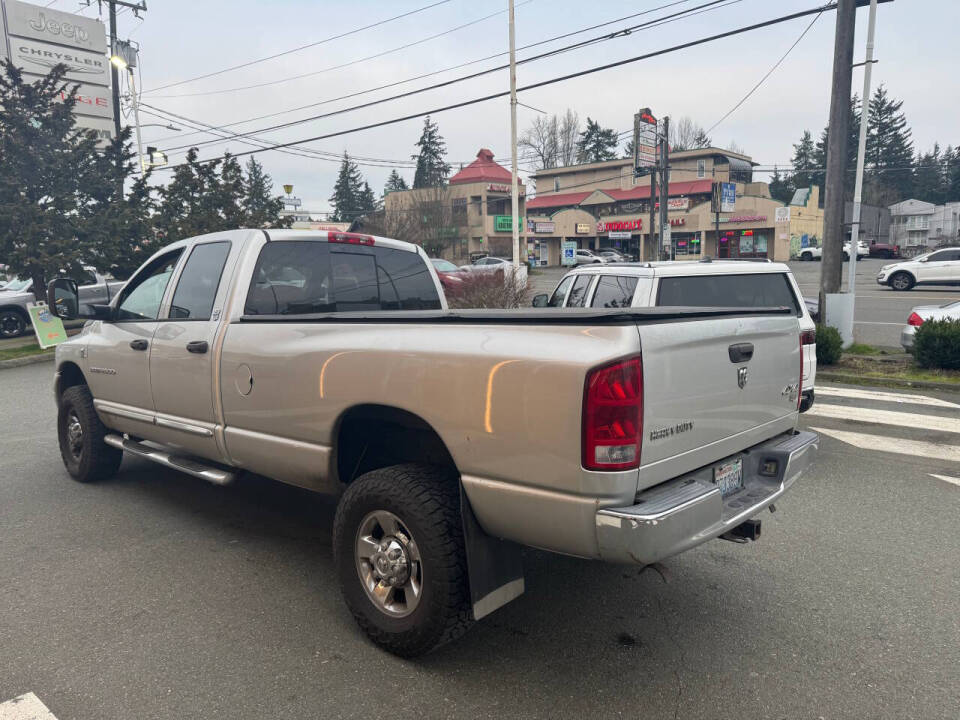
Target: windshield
(444, 265)
(17, 285)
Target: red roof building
(483, 169)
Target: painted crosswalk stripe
(928, 450)
(860, 394)
(946, 478)
(25, 707)
(886, 417)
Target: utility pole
(665, 183)
(653, 211)
(830, 269)
(514, 191)
(858, 181)
(114, 73)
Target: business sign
(583, 228)
(744, 218)
(666, 239)
(53, 26)
(728, 197)
(568, 253)
(619, 225)
(501, 223)
(644, 141)
(103, 127)
(677, 204)
(3, 36)
(544, 227)
(92, 100)
(47, 326)
(498, 188)
(782, 214)
(619, 234)
(39, 58)
(674, 222)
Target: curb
(27, 360)
(888, 381)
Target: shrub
(937, 344)
(488, 290)
(829, 345)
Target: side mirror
(540, 300)
(63, 299)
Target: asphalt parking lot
(880, 313)
(156, 595)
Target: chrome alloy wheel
(388, 563)
(74, 435)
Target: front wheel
(86, 456)
(399, 551)
(901, 281)
(807, 257)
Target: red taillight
(808, 337)
(914, 320)
(349, 238)
(613, 416)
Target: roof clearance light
(349, 238)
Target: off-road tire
(893, 281)
(97, 460)
(427, 501)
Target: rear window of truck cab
(300, 277)
(736, 290)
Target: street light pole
(514, 192)
(858, 183)
(136, 118)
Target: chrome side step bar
(190, 466)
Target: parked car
(816, 253)
(862, 250)
(623, 435)
(884, 250)
(451, 277)
(921, 314)
(488, 263)
(810, 253)
(940, 267)
(613, 256)
(587, 257)
(813, 308)
(18, 293)
(715, 283)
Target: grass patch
(894, 369)
(22, 351)
(862, 349)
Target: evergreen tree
(803, 162)
(889, 147)
(432, 170)
(820, 152)
(952, 173)
(261, 208)
(190, 204)
(395, 182)
(781, 187)
(596, 144)
(230, 192)
(367, 201)
(48, 178)
(929, 179)
(346, 192)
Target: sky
(916, 47)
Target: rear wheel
(399, 551)
(901, 281)
(807, 256)
(12, 323)
(86, 456)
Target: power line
(683, 14)
(350, 63)
(301, 47)
(768, 73)
(551, 81)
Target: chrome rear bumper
(683, 513)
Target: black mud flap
(495, 566)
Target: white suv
(940, 267)
(716, 283)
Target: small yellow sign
(48, 327)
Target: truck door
(182, 356)
(118, 351)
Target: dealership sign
(619, 225)
(91, 99)
(53, 26)
(39, 58)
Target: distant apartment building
(918, 224)
(601, 205)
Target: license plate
(729, 476)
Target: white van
(708, 283)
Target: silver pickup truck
(330, 361)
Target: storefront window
(746, 243)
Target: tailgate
(703, 401)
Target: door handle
(197, 346)
(138, 344)
(740, 352)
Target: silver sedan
(923, 313)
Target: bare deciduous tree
(424, 216)
(685, 134)
(552, 139)
(568, 134)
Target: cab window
(142, 296)
(614, 291)
(578, 293)
(197, 287)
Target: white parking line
(830, 391)
(931, 451)
(946, 478)
(25, 707)
(886, 417)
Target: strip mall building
(601, 205)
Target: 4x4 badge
(741, 377)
